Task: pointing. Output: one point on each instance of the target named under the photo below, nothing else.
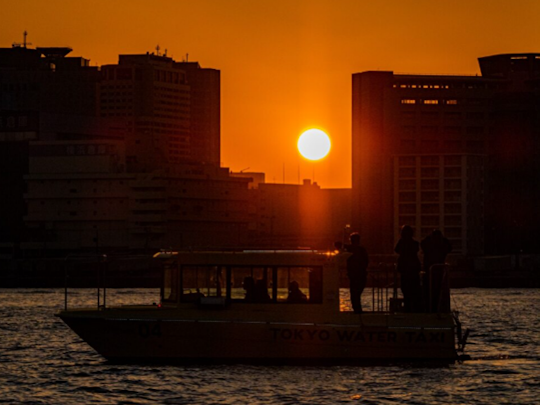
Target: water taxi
(264, 307)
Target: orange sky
(285, 65)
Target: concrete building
(80, 198)
(433, 151)
(204, 112)
(292, 215)
(150, 92)
(122, 157)
(172, 110)
(34, 82)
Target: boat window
(299, 285)
(170, 283)
(252, 284)
(202, 281)
(276, 284)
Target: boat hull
(359, 338)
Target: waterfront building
(80, 198)
(458, 153)
(204, 112)
(172, 110)
(289, 216)
(34, 82)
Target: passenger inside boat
(260, 292)
(243, 284)
(249, 285)
(295, 295)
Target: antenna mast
(24, 43)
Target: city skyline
(293, 71)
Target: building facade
(433, 151)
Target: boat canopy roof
(252, 258)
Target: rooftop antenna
(187, 57)
(242, 171)
(24, 44)
(165, 54)
(157, 49)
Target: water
(43, 362)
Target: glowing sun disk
(314, 144)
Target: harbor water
(43, 362)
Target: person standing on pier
(357, 265)
(409, 267)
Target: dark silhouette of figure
(249, 286)
(435, 247)
(255, 290)
(260, 292)
(295, 295)
(357, 271)
(408, 265)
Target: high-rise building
(458, 153)
(125, 156)
(172, 110)
(204, 112)
(149, 92)
(34, 83)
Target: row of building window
(451, 160)
(428, 101)
(429, 196)
(452, 115)
(443, 130)
(475, 145)
(427, 208)
(433, 184)
(446, 86)
(20, 121)
(410, 172)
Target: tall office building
(172, 110)
(151, 94)
(205, 113)
(33, 83)
(458, 153)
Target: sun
(314, 144)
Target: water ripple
(43, 362)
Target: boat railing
(96, 263)
(103, 272)
(384, 282)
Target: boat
(240, 307)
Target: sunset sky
(286, 65)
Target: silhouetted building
(293, 215)
(204, 112)
(255, 178)
(80, 198)
(172, 110)
(122, 157)
(151, 94)
(34, 82)
(458, 153)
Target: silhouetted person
(435, 247)
(295, 295)
(249, 286)
(260, 292)
(408, 265)
(357, 271)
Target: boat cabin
(222, 279)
